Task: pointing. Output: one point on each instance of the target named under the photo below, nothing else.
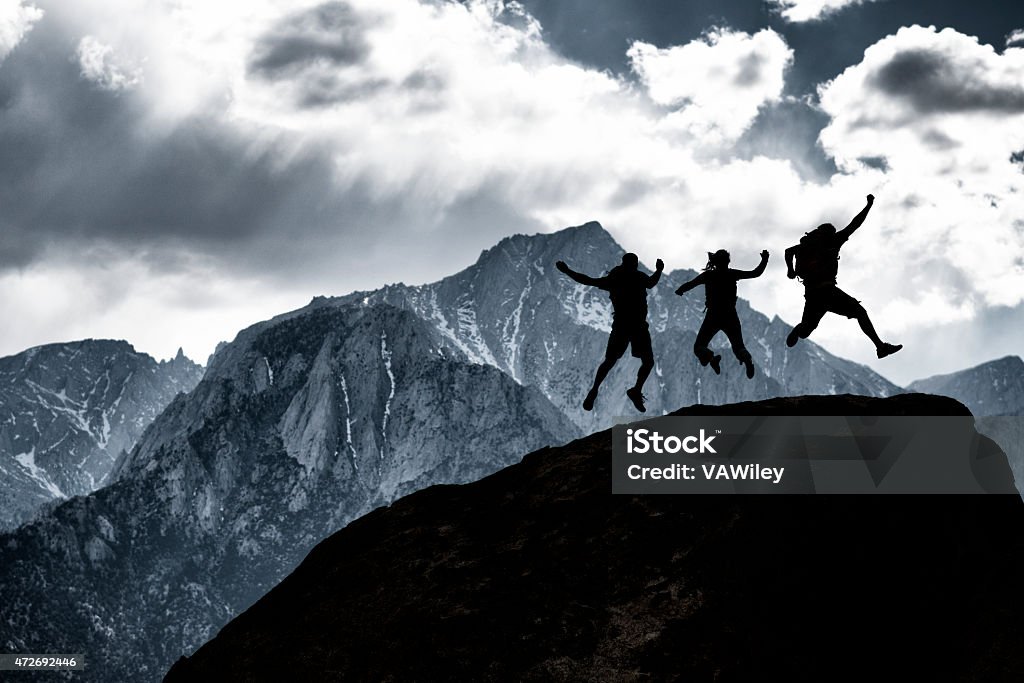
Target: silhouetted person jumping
(719, 282)
(817, 264)
(627, 287)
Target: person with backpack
(719, 282)
(817, 265)
(627, 287)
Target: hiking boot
(888, 349)
(588, 402)
(792, 338)
(637, 398)
(749, 365)
(716, 364)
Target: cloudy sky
(173, 170)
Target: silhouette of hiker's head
(718, 260)
(824, 229)
(630, 261)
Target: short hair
(630, 259)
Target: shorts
(637, 336)
(828, 299)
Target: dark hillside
(539, 573)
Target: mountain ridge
(72, 409)
(992, 388)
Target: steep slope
(993, 388)
(540, 573)
(298, 427)
(69, 410)
(513, 310)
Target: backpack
(817, 259)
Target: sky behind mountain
(174, 172)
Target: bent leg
(868, 328)
(814, 311)
(845, 305)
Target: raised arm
(580, 277)
(756, 272)
(687, 286)
(790, 253)
(857, 221)
(653, 278)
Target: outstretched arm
(790, 253)
(857, 221)
(653, 278)
(579, 277)
(756, 272)
(687, 286)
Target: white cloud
(1015, 37)
(811, 10)
(16, 19)
(945, 113)
(103, 67)
(96, 293)
(716, 83)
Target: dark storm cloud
(80, 168)
(331, 34)
(313, 55)
(77, 166)
(788, 129)
(932, 82)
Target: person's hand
(871, 199)
(764, 254)
(562, 266)
(660, 265)
(791, 274)
(680, 291)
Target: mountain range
(69, 411)
(995, 388)
(314, 418)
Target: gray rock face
(299, 426)
(989, 389)
(311, 419)
(69, 410)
